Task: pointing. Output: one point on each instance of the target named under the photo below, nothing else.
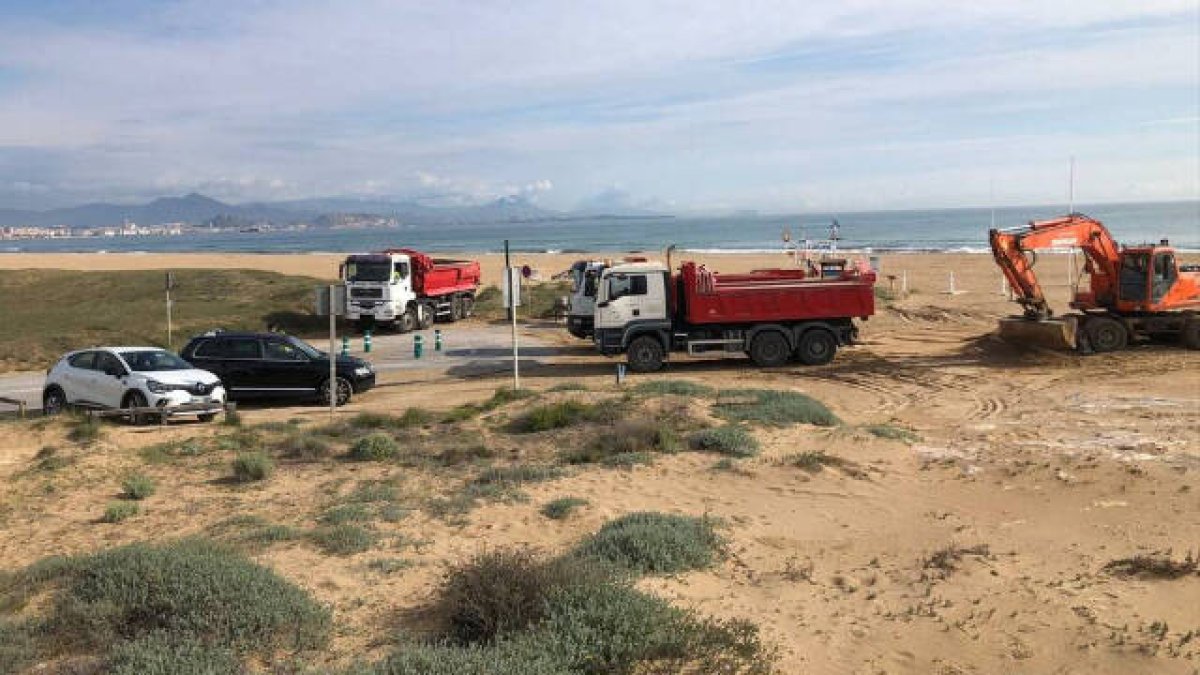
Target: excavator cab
(1135, 274)
(1165, 274)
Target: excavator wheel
(1106, 334)
(1191, 333)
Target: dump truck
(1133, 292)
(773, 315)
(406, 290)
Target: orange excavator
(1133, 292)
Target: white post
(952, 291)
(512, 294)
(904, 282)
(332, 352)
(170, 282)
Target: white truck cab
(631, 293)
(379, 290)
(585, 280)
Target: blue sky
(682, 106)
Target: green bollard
(367, 341)
(345, 346)
(418, 346)
(437, 340)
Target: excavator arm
(1015, 253)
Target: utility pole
(332, 351)
(510, 294)
(170, 283)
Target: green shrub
(18, 645)
(412, 417)
(518, 474)
(614, 628)
(673, 388)
(115, 512)
(190, 590)
(251, 530)
(85, 430)
(376, 447)
(239, 440)
(730, 439)
(461, 453)
(773, 407)
(655, 542)
(137, 486)
(373, 491)
(506, 590)
(49, 459)
(163, 453)
(343, 539)
(389, 565)
(568, 386)
(345, 513)
(892, 432)
(629, 438)
(554, 416)
(303, 447)
(503, 659)
(252, 466)
(628, 460)
(562, 507)
(171, 654)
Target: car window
(151, 360)
(107, 363)
(241, 348)
(206, 349)
(283, 351)
(83, 360)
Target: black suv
(269, 364)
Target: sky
(689, 106)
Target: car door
(241, 359)
(108, 380)
(76, 377)
(286, 369)
(206, 355)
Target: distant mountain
(197, 209)
(194, 208)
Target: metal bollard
(620, 373)
(367, 341)
(437, 340)
(418, 346)
(345, 346)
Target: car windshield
(369, 271)
(312, 352)
(152, 360)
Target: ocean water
(884, 231)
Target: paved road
(467, 349)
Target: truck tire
(468, 306)
(455, 309)
(645, 354)
(406, 322)
(769, 349)
(426, 319)
(1190, 335)
(1106, 334)
(816, 347)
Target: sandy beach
(980, 542)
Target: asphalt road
(467, 349)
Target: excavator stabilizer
(1057, 334)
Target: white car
(132, 377)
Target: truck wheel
(426, 319)
(406, 322)
(468, 306)
(1107, 334)
(816, 348)
(645, 354)
(1191, 333)
(769, 349)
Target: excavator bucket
(1056, 334)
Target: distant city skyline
(680, 107)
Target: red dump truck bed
(776, 295)
(434, 277)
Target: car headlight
(157, 387)
(362, 371)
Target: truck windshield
(590, 283)
(368, 271)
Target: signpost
(332, 351)
(170, 284)
(512, 300)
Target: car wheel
(817, 348)
(645, 354)
(54, 401)
(1107, 334)
(136, 400)
(769, 349)
(343, 388)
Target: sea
(937, 230)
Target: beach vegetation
(773, 407)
